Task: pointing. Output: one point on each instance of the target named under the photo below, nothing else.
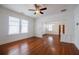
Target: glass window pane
(50, 28)
(24, 26)
(13, 25)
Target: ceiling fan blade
(41, 12)
(31, 9)
(43, 8)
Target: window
(24, 26)
(17, 26)
(13, 25)
(49, 27)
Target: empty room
(39, 29)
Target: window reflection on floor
(50, 40)
(14, 51)
(24, 49)
(20, 49)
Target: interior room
(39, 29)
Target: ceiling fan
(38, 9)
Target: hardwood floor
(38, 46)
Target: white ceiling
(51, 8)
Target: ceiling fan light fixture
(37, 12)
(38, 9)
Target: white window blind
(50, 27)
(24, 26)
(13, 25)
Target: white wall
(58, 19)
(4, 17)
(76, 19)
